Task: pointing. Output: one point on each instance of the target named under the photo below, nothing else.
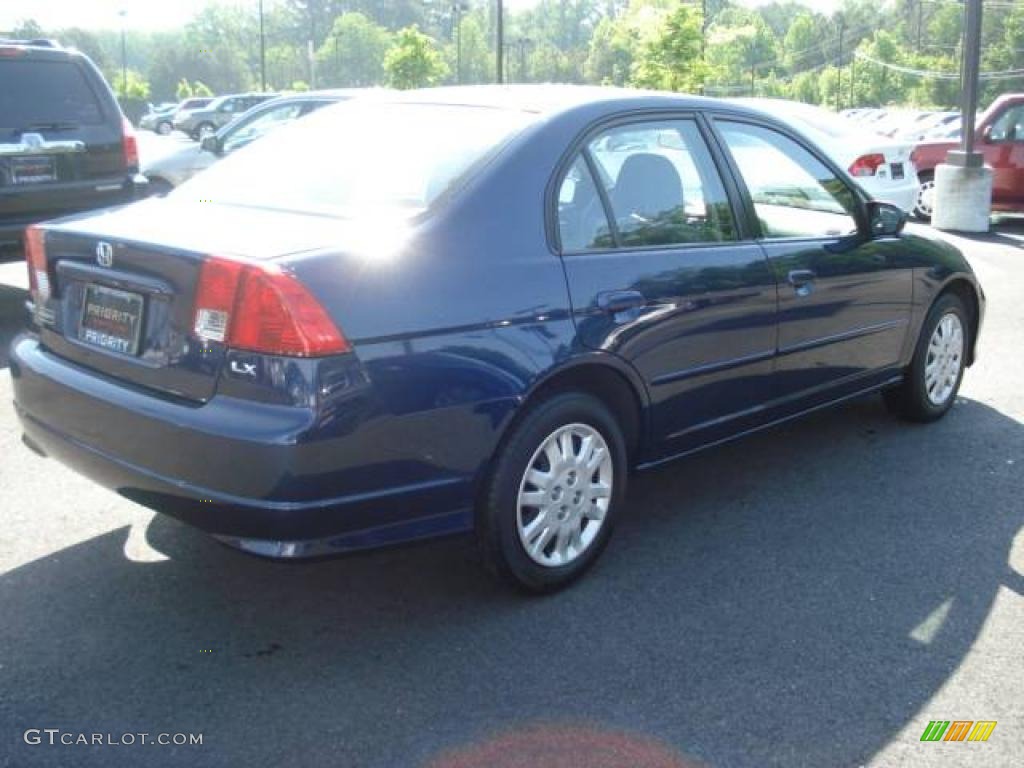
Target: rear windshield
(35, 94)
(351, 158)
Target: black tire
(922, 213)
(159, 187)
(497, 517)
(203, 130)
(910, 399)
(163, 128)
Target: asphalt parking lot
(812, 596)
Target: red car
(1000, 138)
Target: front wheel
(163, 128)
(553, 494)
(925, 197)
(931, 383)
(204, 130)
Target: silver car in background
(173, 169)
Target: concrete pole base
(963, 198)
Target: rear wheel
(554, 493)
(925, 197)
(931, 383)
(159, 187)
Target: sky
(165, 14)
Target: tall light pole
(124, 55)
(839, 66)
(263, 53)
(500, 64)
(969, 84)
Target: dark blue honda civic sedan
(474, 309)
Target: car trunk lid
(122, 286)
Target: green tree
(671, 58)
(184, 90)
(413, 60)
(134, 87)
(353, 54)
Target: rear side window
(582, 223)
(660, 185)
(36, 94)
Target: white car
(881, 166)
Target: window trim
(1016, 139)
(859, 214)
(580, 146)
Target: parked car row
(172, 169)
(902, 123)
(476, 309)
(160, 119)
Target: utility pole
(124, 55)
(457, 32)
(839, 66)
(920, 22)
(499, 64)
(969, 82)
(853, 79)
(263, 53)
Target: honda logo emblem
(104, 254)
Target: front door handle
(802, 280)
(614, 302)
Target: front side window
(1009, 126)
(261, 124)
(794, 193)
(661, 185)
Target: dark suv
(65, 146)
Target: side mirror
(211, 144)
(986, 134)
(886, 219)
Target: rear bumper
(19, 210)
(900, 193)
(220, 467)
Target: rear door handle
(800, 277)
(614, 302)
(802, 281)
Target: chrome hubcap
(564, 495)
(925, 198)
(945, 357)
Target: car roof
(553, 99)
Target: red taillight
(261, 308)
(12, 52)
(867, 165)
(35, 259)
(129, 145)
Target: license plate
(33, 170)
(897, 170)
(111, 319)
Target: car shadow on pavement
(794, 599)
